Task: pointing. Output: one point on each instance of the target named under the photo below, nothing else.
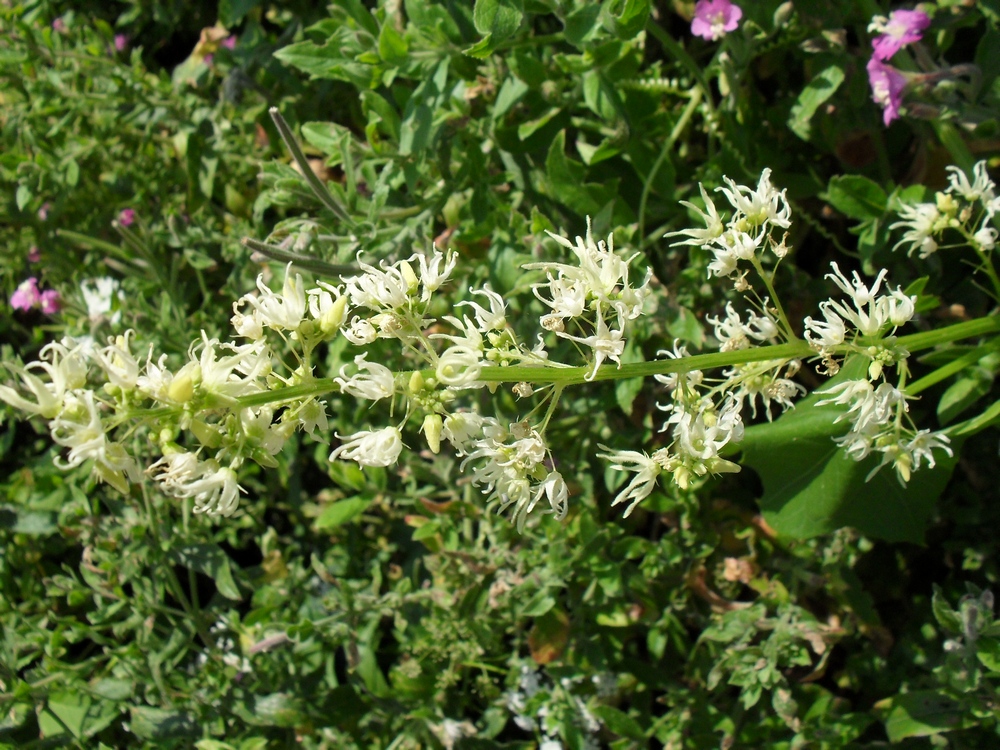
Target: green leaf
(498, 18)
(963, 393)
(377, 105)
(274, 710)
(626, 18)
(988, 653)
(812, 487)
(231, 12)
(539, 604)
(582, 25)
(565, 179)
(418, 128)
(150, 723)
(22, 197)
(327, 137)
(76, 714)
(946, 617)
(31, 522)
(923, 713)
(210, 560)
(817, 91)
(619, 722)
(341, 512)
(856, 197)
(392, 46)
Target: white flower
(981, 188)
(986, 237)
(493, 319)
(765, 205)
(65, 364)
(371, 447)
(385, 289)
(80, 429)
(922, 221)
(99, 296)
(118, 363)
(283, 311)
(328, 306)
(360, 332)
(463, 428)
(606, 343)
(372, 381)
(647, 469)
(713, 224)
(827, 333)
(435, 272)
(216, 491)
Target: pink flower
(34, 254)
(229, 42)
(887, 88)
(50, 302)
(121, 42)
(901, 28)
(59, 26)
(127, 217)
(26, 296)
(713, 19)
(43, 212)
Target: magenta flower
(127, 217)
(50, 302)
(26, 296)
(59, 26)
(901, 28)
(229, 42)
(713, 19)
(887, 88)
(121, 42)
(34, 254)
(43, 212)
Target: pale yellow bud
(333, 318)
(432, 431)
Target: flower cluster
(876, 409)
(539, 704)
(593, 294)
(965, 206)
(28, 296)
(901, 28)
(747, 233)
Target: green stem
(789, 333)
(679, 127)
(563, 376)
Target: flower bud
(334, 316)
(432, 432)
(181, 388)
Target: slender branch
(321, 191)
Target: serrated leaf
(818, 90)
(341, 512)
(856, 197)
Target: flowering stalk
(233, 402)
